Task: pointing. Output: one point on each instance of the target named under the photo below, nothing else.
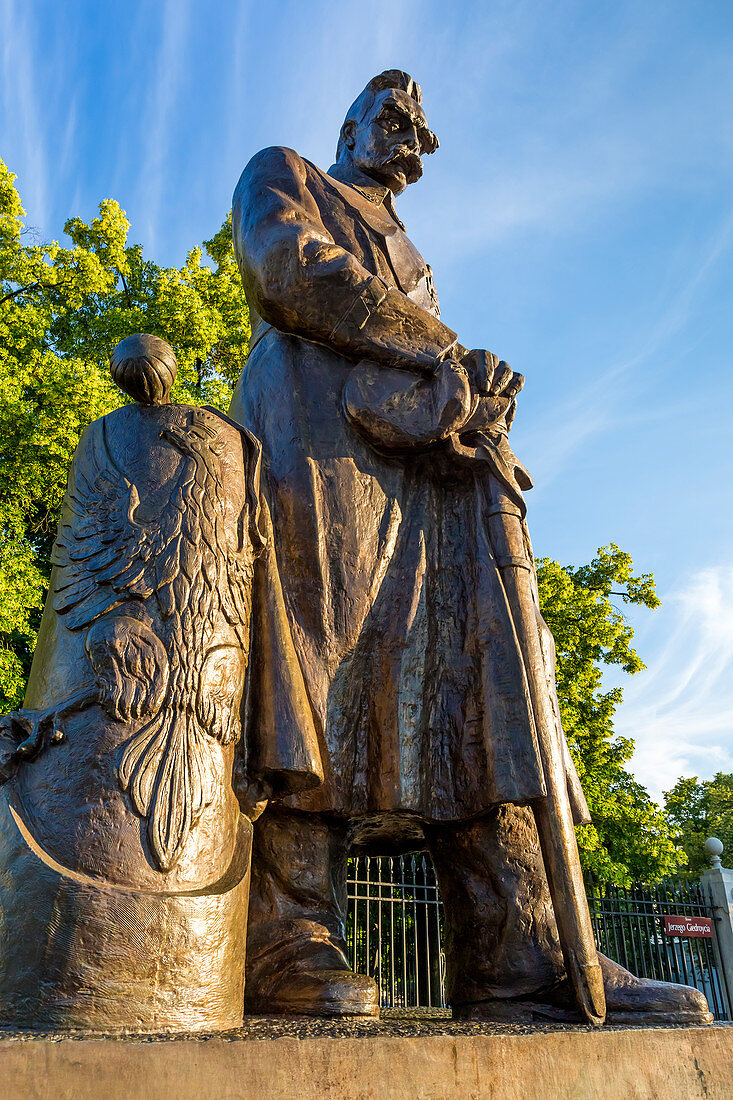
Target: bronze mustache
(408, 159)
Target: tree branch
(37, 285)
(20, 290)
(610, 592)
(126, 289)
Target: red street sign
(688, 926)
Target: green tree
(699, 809)
(62, 310)
(630, 838)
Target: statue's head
(385, 133)
(144, 367)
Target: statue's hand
(495, 385)
(491, 375)
(23, 735)
(26, 733)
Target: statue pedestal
(387, 1060)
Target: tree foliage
(630, 838)
(698, 809)
(62, 310)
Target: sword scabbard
(552, 813)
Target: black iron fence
(629, 927)
(395, 932)
(395, 928)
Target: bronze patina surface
(125, 856)
(327, 603)
(409, 585)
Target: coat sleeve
(301, 281)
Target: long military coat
(396, 605)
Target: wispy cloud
(607, 123)
(549, 447)
(21, 126)
(236, 87)
(169, 69)
(680, 710)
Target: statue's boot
(318, 993)
(658, 1002)
(502, 950)
(629, 1000)
(296, 950)
(503, 956)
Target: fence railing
(629, 927)
(395, 928)
(395, 931)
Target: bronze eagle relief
(128, 781)
(153, 566)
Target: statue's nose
(413, 141)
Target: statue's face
(389, 142)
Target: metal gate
(395, 932)
(394, 928)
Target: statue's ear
(347, 133)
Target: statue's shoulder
(277, 163)
(112, 422)
(123, 422)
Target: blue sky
(578, 215)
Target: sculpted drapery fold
(397, 608)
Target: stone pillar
(717, 882)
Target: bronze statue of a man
(408, 581)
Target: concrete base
(316, 1060)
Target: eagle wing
(103, 554)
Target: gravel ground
(394, 1024)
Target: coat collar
(369, 188)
